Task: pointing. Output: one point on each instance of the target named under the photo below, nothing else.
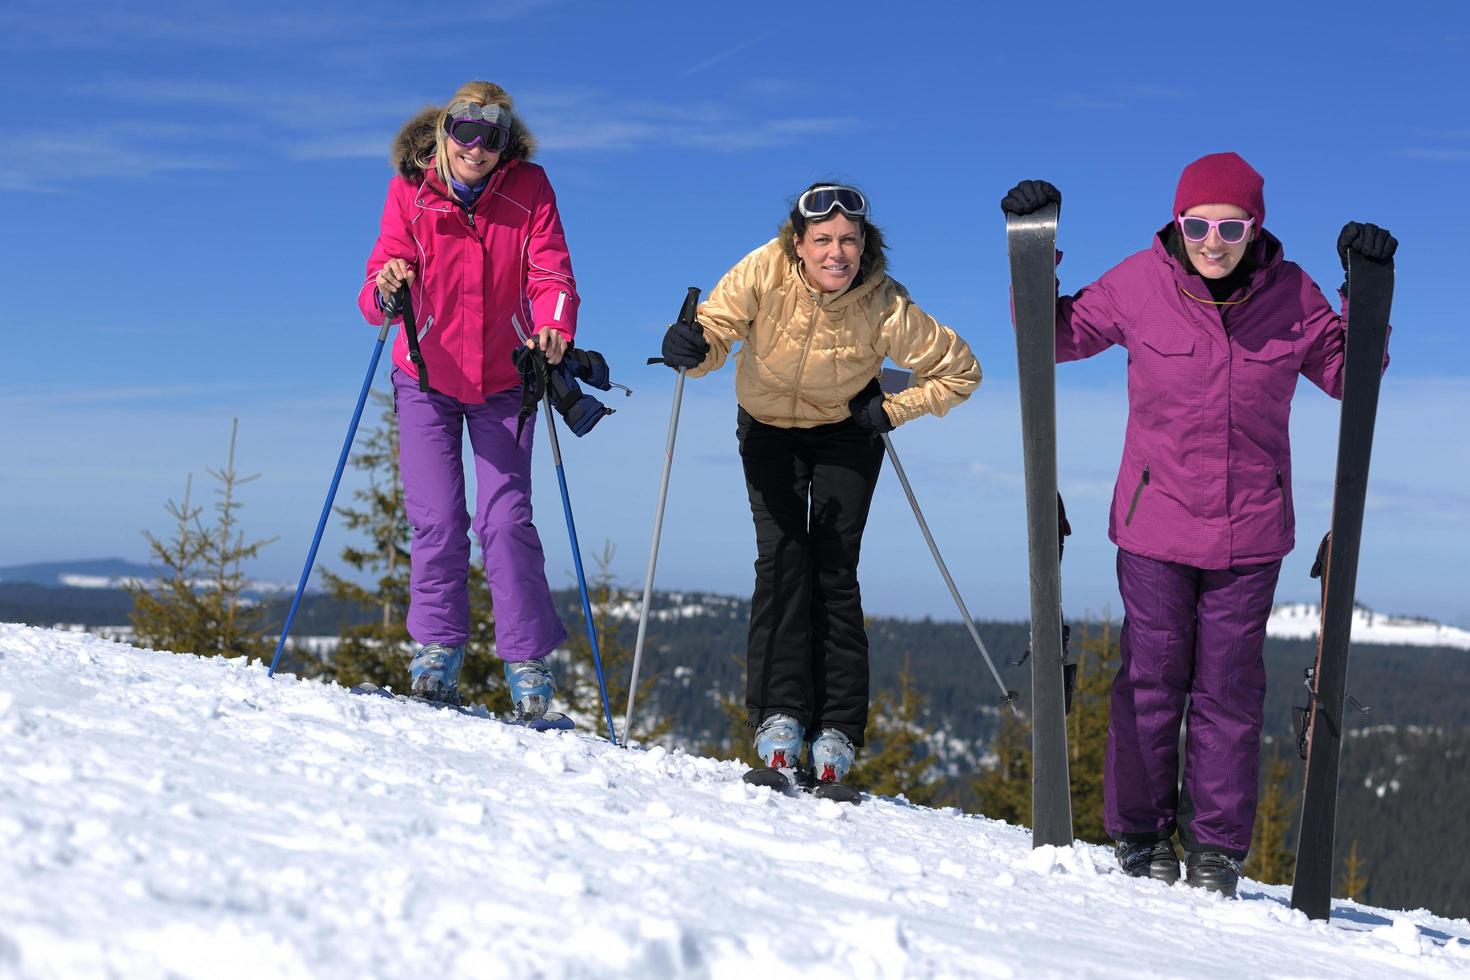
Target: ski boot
(531, 685)
(1212, 871)
(778, 743)
(832, 756)
(435, 673)
(1154, 859)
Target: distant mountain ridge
(104, 573)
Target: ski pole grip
(691, 303)
(411, 335)
(686, 314)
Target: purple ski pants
(1189, 635)
(431, 431)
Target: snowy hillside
(168, 815)
(1303, 620)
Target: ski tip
(837, 792)
(771, 778)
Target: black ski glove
(1370, 241)
(1029, 196)
(867, 409)
(684, 345)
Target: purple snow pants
(431, 430)
(1196, 635)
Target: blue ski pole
(321, 525)
(566, 505)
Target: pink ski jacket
(1206, 473)
(481, 276)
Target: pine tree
(577, 686)
(1354, 882)
(379, 651)
(1271, 861)
(1003, 791)
(199, 605)
(897, 758)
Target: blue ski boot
(778, 743)
(531, 685)
(435, 673)
(832, 756)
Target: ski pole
(893, 381)
(686, 315)
(566, 505)
(321, 524)
(1010, 696)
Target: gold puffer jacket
(805, 354)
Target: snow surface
(166, 815)
(1303, 621)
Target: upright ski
(1031, 241)
(1370, 296)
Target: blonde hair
(481, 94)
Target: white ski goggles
(820, 201)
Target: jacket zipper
(1281, 488)
(1137, 492)
(801, 364)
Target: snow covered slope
(171, 815)
(1303, 620)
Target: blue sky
(191, 193)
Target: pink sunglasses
(1232, 231)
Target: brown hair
(795, 226)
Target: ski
(1370, 291)
(1031, 242)
(773, 778)
(552, 721)
(805, 782)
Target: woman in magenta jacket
(471, 226)
(1218, 327)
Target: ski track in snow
(169, 815)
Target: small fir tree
(897, 758)
(1354, 882)
(1271, 862)
(198, 606)
(577, 686)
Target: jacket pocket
(1137, 492)
(1281, 495)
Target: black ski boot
(1212, 871)
(1149, 859)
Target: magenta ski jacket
(1206, 473)
(481, 276)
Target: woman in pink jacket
(1218, 327)
(471, 227)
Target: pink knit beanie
(1222, 178)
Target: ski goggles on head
(479, 125)
(1232, 231)
(820, 201)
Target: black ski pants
(809, 495)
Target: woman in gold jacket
(815, 314)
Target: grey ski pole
(895, 381)
(686, 315)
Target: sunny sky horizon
(192, 194)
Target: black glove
(684, 345)
(867, 409)
(1370, 241)
(1029, 196)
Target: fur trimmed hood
(414, 143)
(873, 264)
